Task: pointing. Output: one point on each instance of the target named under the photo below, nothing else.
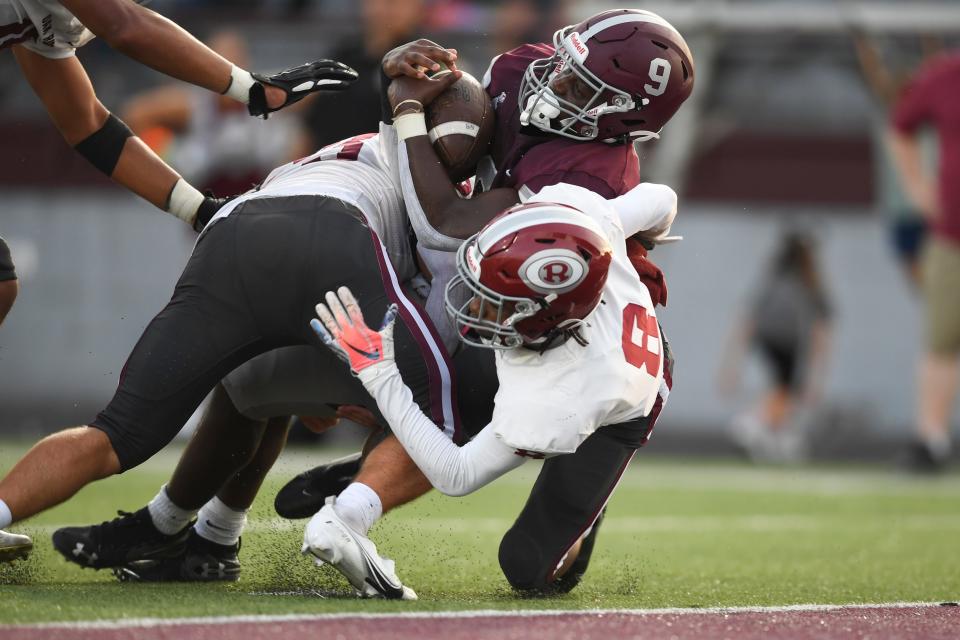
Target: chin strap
(571, 330)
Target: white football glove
(341, 328)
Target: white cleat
(331, 540)
(14, 546)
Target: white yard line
(631, 524)
(136, 623)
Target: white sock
(219, 523)
(184, 201)
(6, 518)
(167, 517)
(359, 506)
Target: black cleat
(919, 459)
(128, 538)
(201, 561)
(569, 580)
(305, 494)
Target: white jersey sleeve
(453, 470)
(427, 236)
(648, 208)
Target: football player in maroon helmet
(566, 115)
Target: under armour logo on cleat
(78, 552)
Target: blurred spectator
(933, 99)
(517, 22)
(908, 227)
(8, 280)
(386, 24)
(788, 323)
(211, 139)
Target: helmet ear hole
(584, 254)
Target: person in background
(8, 281)
(932, 100)
(519, 21)
(386, 25)
(788, 323)
(907, 225)
(210, 138)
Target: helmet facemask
(542, 108)
(473, 328)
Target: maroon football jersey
(527, 156)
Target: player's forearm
(428, 188)
(104, 140)
(161, 44)
(451, 469)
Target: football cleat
(299, 82)
(201, 561)
(14, 546)
(304, 495)
(128, 538)
(332, 541)
(920, 459)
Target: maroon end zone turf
(920, 622)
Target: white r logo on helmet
(553, 270)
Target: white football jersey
(551, 402)
(360, 171)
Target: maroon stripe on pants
(430, 357)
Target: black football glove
(211, 204)
(298, 82)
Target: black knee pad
(522, 561)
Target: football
(460, 124)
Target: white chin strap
(540, 109)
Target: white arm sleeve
(648, 207)
(453, 470)
(426, 234)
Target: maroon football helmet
(548, 260)
(637, 65)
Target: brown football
(460, 123)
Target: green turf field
(678, 534)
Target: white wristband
(184, 201)
(240, 83)
(410, 125)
